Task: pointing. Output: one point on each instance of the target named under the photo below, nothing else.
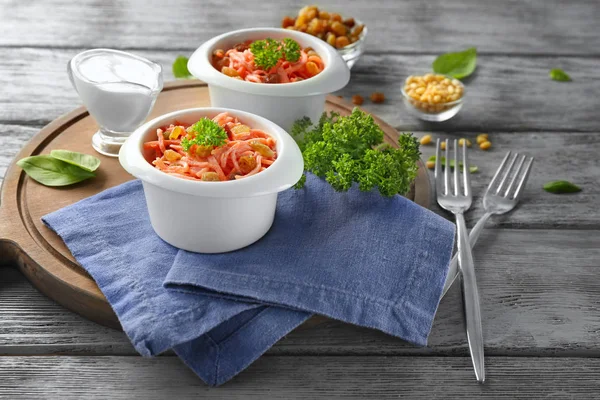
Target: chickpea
(485, 145)
(301, 20)
(358, 30)
(357, 99)
(312, 13)
(349, 22)
(338, 28)
(314, 27)
(331, 39)
(377, 97)
(312, 68)
(482, 137)
(324, 14)
(336, 17)
(425, 140)
(341, 42)
(287, 22)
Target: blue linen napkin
(352, 256)
(111, 237)
(356, 257)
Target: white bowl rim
(282, 174)
(334, 76)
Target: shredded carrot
(224, 160)
(240, 60)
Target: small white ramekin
(211, 217)
(282, 103)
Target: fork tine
(519, 190)
(498, 171)
(515, 175)
(507, 173)
(456, 167)
(437, 174)
(466, 171)
(447, 171)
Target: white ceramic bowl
(211, 217)
(281, 103)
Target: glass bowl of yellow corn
(433, 97)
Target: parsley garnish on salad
(349, 149)
(268, 52)
(207, 133)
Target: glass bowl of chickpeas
(433, 97)
(347, 35)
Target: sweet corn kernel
(425, 140)
(443, 145)
(430, 164)
(203, 151)
(462, 141)
(176, 132)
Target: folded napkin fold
(357, 257)
(111, 237)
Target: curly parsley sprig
(207, 133)
(349, 149)
(268, 52)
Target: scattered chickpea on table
(327, 26)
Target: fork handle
(470, 299)
(473, 236)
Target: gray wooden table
(538, 268)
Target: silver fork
(458, 203)
(496, 200)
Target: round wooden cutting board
(41, 254)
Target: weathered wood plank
(12, 139)
(508, 93)
(523, 27)
(302, 378)
(538, 288)
(571, 155)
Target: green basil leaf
(457, 65)
(180, 69)
(51, 171)
(559, 75)
(472, 168)
(559, 187)
(85, 161)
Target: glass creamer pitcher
(119, 90)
